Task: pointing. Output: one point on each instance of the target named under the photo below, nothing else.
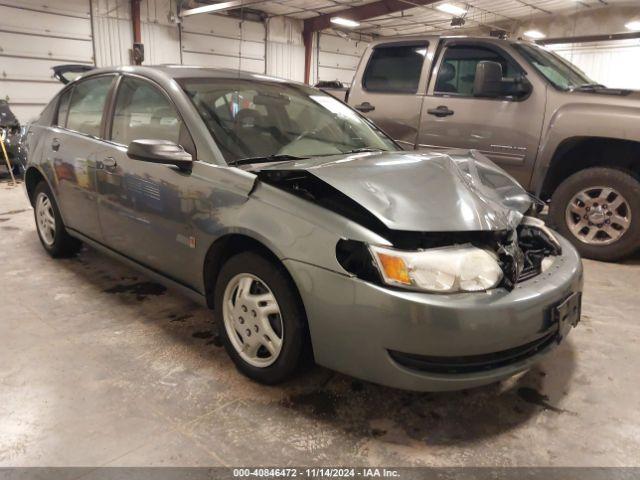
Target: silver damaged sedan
(306, 229)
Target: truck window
(457, 71)
(395, 68)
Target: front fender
(578, 121)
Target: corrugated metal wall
(114, 34)
(56, 32)
(614, 63)
(285, 49)
(224, 42)
(338, 57)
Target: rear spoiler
(69, 72)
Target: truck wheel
(53, 236)
(598, 209)
(262, 321)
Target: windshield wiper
(268, 158)
(589, 86)
(364, 150)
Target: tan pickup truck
(566, 139)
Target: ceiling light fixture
(635, 25)
(345, 22)
(217, 7)
(535, 34)
(451, 9)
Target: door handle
(441, 111)
(109, 162)
(365, 107)
(55, 144)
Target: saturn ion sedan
(307, 230)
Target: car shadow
(361, 409)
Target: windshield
(558, 71)
(254, 119)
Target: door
(506, 129)
(72, 145)
(388, 90)
(142, 204)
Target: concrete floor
(98, 366)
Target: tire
(57, 242)
(290, 324)
(614, 240)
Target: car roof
(178, 72)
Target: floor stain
(174, 317)
(217, 341)
(320, 402)
(531, 395)
(141, 289)
(13, 212)
(9, 227)
(4, 219)
(203, 334)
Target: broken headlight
(459, 268)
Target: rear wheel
(53, 236)
(262, 321)
(598, 209)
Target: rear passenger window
(143, 112)
(395, 68)
(87, 104)
(63, 108)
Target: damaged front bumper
(430, 342)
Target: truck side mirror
(488, 81)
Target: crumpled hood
(459, 190)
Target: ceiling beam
(363, 12)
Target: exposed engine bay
(523, 251)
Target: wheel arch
(32, 177)
(581, 152)
(227, 246)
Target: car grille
(472, 363)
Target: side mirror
(160, 151)
(489, 82)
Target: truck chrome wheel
(46, 219)
(253, 320)
(598, 215)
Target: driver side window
(143, 112)
(457, 71)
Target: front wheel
(262, 321)
(598, 209)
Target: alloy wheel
(46, 219)
(598, 215)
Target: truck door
(387, 87)
(506, 129)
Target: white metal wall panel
(285, 49)
(223, 42)
(614, 64)
(113, 32)
(338, 57)
(56, 32)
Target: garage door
(223, 42)
(57, 32)
(612, 63)
(338, 58)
